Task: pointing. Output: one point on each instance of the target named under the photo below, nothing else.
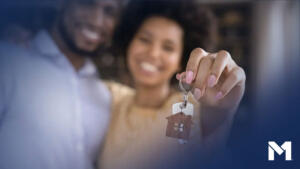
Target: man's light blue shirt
(51, 116)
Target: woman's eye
(168, 48)
(145, 40)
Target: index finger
(193, 64)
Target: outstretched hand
(217, 80)
(218, 84)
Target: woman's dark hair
(197, 22)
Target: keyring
(184, 87)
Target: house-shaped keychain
(179, 126)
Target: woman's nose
(154, 51)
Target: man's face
(88, 28)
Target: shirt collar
(88, 69)
(45, 45)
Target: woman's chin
(149, 82)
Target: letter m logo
(285, 147)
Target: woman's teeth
(149, 67)
(90, 34)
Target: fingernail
(177, 76)
(219, 95)
(211, 80)
(197, 93)
(189, 77)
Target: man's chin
(92, 50)
(87, 52)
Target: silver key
(185, 88)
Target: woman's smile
(148, 67)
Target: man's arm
(1, 104)
(2, 99)
(6, 53)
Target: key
(180, 122)
(185, 88)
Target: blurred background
(262, 36)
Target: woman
(156, 37)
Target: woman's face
(154, 53)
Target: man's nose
(99, 18)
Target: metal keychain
(185, 107)
(185, 88)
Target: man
(54, 110)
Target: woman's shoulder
(119, 91)
(116, 86)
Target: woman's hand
(218, 83)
